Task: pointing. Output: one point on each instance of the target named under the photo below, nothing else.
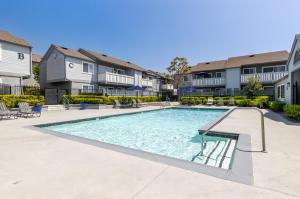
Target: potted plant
(38, 107)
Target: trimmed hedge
(110, 100)
(11, 101)
(239, 100)
(292, 111)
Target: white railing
(264, 77)
(208, 82)
(147, 83)
(167, 87)
(115, 78)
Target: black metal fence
(6, 89)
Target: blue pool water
(168, 132)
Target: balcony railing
(114, 78)
(147, 83)
(264, 77)
(167, 87)
(209, 82)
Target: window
(279, 69)
(249, 70)
(87, 88)
(87, 68)
(271, 69)
(218, 74)
(280, 92)
(185, 78)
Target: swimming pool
(169, 132)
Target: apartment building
(15, 59)
(67, 71)
(230, 76)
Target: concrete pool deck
(38, 165)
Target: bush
(109, 100)
(292, 111)
(276, 106)
(11, 101)
(239, 100)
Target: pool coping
(241, 167)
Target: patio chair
(135, 104)
(4, 112)
(26, 111)
(119, 105)
(221, 102)
(210, 101)
(141, 103)
(231, 102)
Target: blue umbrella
(136, 88)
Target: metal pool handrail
(203, 132)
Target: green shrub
(11, 101)
(110, 100)
(292, 111)
(242, 102)
(276, 106)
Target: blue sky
(152, 32)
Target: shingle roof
(36, 58)
(270, 57)
(234, 62)
(72, 53)
(6, 36)
(206, 66)
(108, 59)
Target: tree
(178, 67)
(36, 72)
(253, 87)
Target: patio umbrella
(136, 88)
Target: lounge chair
(221, 102)
(119, 105)
(140, 103)
(135, 104)
(210, 101)
(4, 112)
(26, 111)
(231, 102)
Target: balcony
(114, 78)
(167, 87)
(264, 77)
(147, 83)
(220, 81)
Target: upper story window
(87, 68)
(119, 71)
(297, 56)
(218, 74)
(271, 69)
(249, 70)
(21, 56)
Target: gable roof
(36, 58)
(296, 38)
(8, 37)
(239, 61)
(270, 57)
(72, 53)
(108, 59)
